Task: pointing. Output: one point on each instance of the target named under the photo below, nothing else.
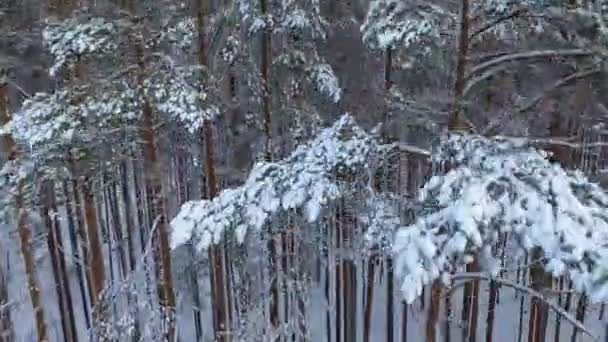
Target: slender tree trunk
(266, 62)
(448, 317)
(6, 327)
(198, 328)
(539, 310)
(474, 318)
(470, 305)
(219, 291)
(369, 298)
(112, 193)
(433, 314)
(56, 250)
(266, 47)
(154, 193)
(25, 236)
(390, 314)
(520, 329)
(23, 224)
(129, 221)
(581, 308)
(329, 261)
(130, 231)
(558, 321)
(346, 228)
(339, 286)
(404, 307)
(96, 266)
(457, 120)
(75, 246)
(82, 235)
(466, 306)
(491, 311)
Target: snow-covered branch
(529, 55)
(307, 181)
(69, 40)
(503, 186)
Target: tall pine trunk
(219, 292)
(96, 262)
(154, 193)
(23, 224)
(55, 246)
(81, 263)
(581, 309)
(130, 231)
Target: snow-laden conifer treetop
(307, 181)
(403, 24)
(504, 186)
(69, 40)
(297, 16)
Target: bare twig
(529, 55)
(532, 103)
(516, 13)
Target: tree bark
(491, 311)
(390, 300)
(433, 314)
(221, 312)
(404, 307)
(56, 251)
(6, 327)
(266, 56)
(581, 308)
(558, 318)
(457, 120)
(75, 246)
(96, 265)
(369, 297)
(154, 194)
(23, 224)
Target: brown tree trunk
(82, 235)
(470, 305)
(154, 194)
(96, 265)
(221, 310)
(581, 309)
(433, 314)
(23, 224)
(265, 71)
(55, 246)
(339, 286)
(457, 120)
(474, 318)
(129, 229)
(539, 310)
(25, 236)
(112, 194)
(521, 302)
(75, 246)
(346, 228)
